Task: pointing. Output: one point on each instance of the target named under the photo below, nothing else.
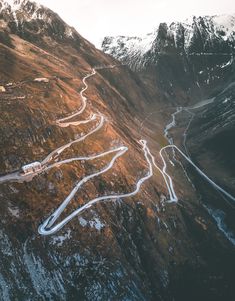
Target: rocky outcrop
(186, 60)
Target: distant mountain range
(196, 36)
(190, 69)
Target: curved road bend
(216, 186)
(48, 227)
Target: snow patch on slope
(225, 23)
(95, 223)
(59, 240)
(122, 47)
(14, 4)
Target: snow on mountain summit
(26, 17)
(225, 23)
(13, 5)
(194, 35)
(31, 9)
(134, 46)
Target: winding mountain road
(83, 98)
(216, 186)
(49, 227)
(63, 122)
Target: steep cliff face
(189, 67)
(200, 35)
(58, 110)
(185, 63)
(186, 60)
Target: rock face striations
(77, 121)
(186, 63)
(189, 69)
(187, 59)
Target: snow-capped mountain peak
(194, 35)
(13, 5)
(225, 23)
(31, 10)
(25, 16)
(136, 47)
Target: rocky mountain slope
(186, 59)
(185, 63)
(189, 67)
(76, 110)
(194, 35)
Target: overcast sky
(95, 19)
